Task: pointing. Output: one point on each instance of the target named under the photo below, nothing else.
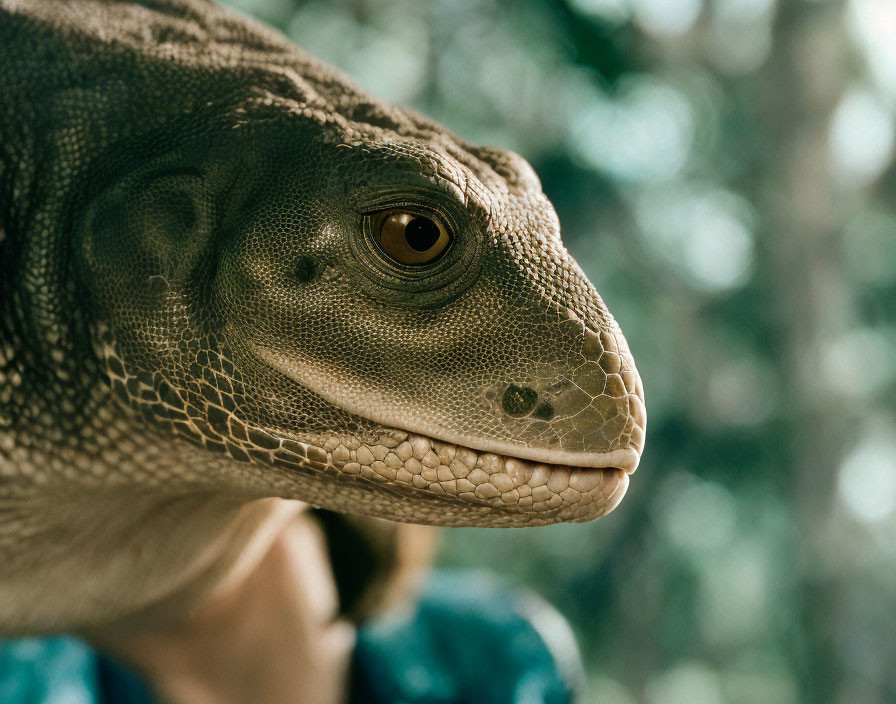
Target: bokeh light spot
(861, 138)
(695, 515)
(664, 18)
(389, 63)
(874, 26)
(687, 683)
(742, 392)
(860, 363)
(645, 134)
(706, 233)
(867, 479)
(739, 37)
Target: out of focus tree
(722, 171)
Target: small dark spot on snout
(544, 411)
(306, 270)
(518, 401)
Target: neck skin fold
(270, 633)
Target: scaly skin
(196, 310)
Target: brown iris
(411, 239)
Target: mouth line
(552, 466)
(623, 459)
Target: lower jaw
(513, 491)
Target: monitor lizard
(230, 277)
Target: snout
(589, 412)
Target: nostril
(544, 411)
(519, 400)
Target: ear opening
(150, 233)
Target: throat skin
(113, 563)
(221, 598)
(270, 633)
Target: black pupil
(421, 234)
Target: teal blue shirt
(469, 640)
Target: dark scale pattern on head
(192, 297)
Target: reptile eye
(411, 239)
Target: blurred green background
(722, 172)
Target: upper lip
(624, 458)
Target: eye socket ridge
(409, 236)
(427, 284)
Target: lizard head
(346, 304)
